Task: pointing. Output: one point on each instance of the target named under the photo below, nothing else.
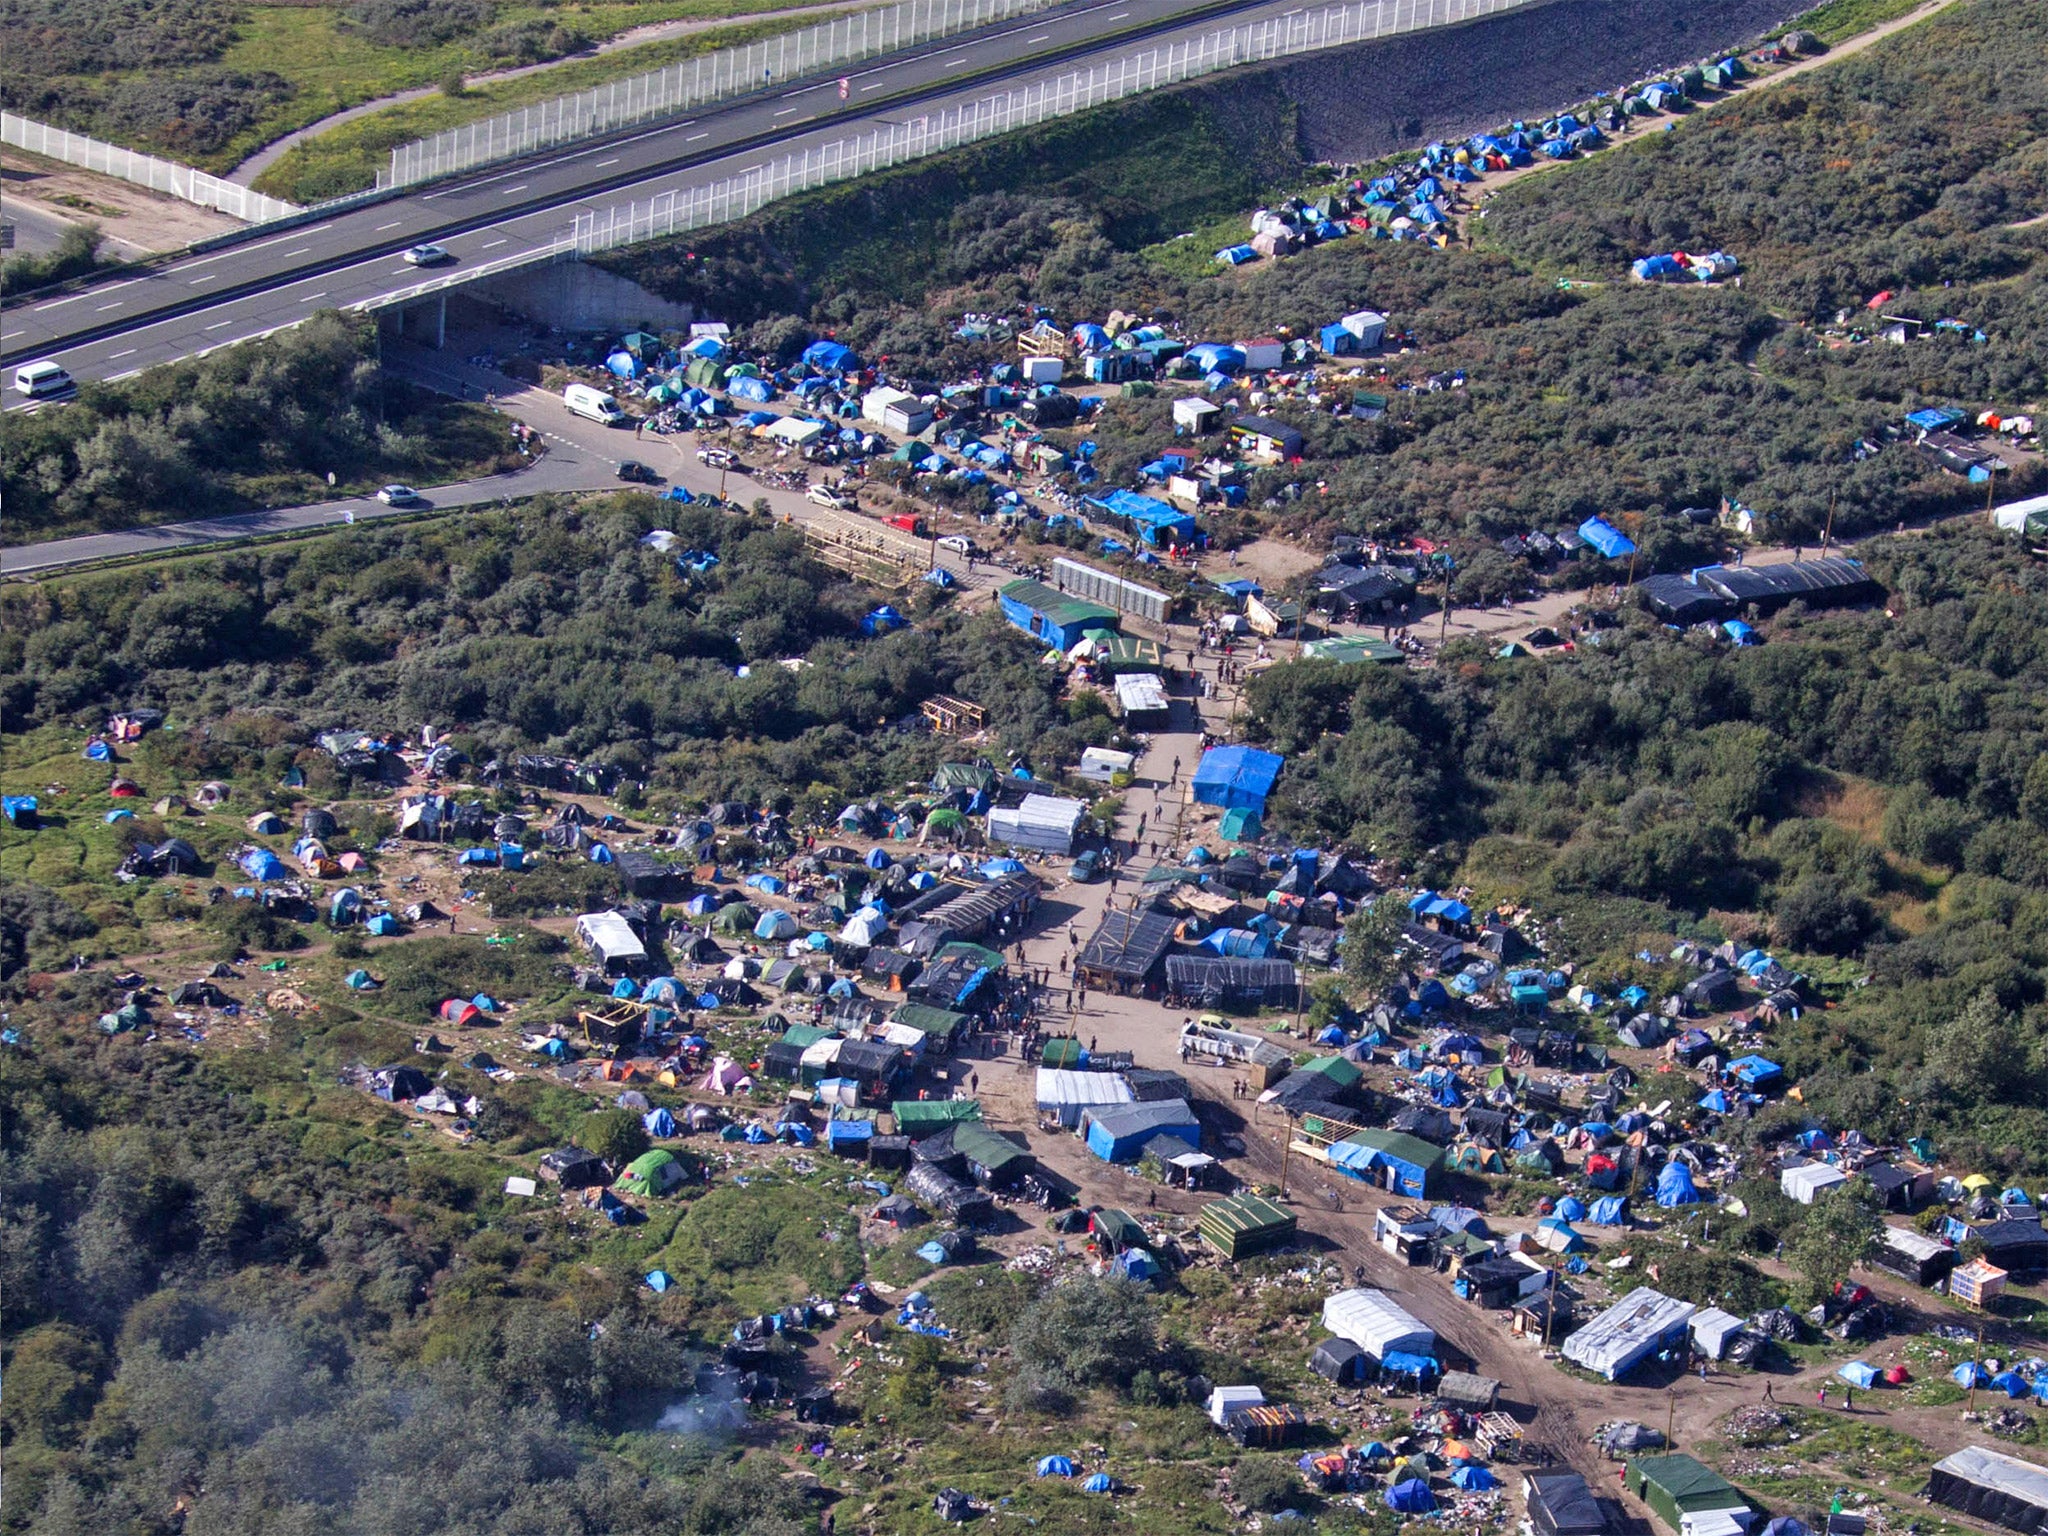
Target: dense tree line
(550, 626)
(1653, 784)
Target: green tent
(736, 919)
(1061, 1051)
(1241, 824)
(1676, 1486)
(940, 1023)
(1335, 1070)
(968, 776)
(1244, 1225)
(920, 1117)
(639, 343)
(944, 819)
(980, 954)
(651, 1173)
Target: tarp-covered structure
(1377, 1324)
(1676, 1486)
(1064, 1093)
(1236, 777)
(1629, 1332)
(1561, 1504)
(1240, 1226)
(1993, 1487)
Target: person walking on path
(1768, 1397)
(1822, 1396)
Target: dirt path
(655, 32)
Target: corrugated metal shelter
(1211, 981)
(1768, 587)
(1712, 1329)
(1561, 1504)
(1629, 1332)
(1084, 581)
(1141, 700)
(1377, 1324)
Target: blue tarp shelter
(1236, 777)
(1610, 1211)
(830, 357)
(1154, 521)
(1609, 540)
(1056, 1466)
(1675, 1186)
(1857, 1374)
(1411, 1498)
(1474, 1479)
(1100, 1482)
(262, 864)
(659, 1122)
(1755, 1071)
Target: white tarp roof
(902, 1035)
(1712, 1328)
(1377, 1324)
(865, 926)
(1223, 1399)
(2013, 515)
(1051, 812)
(1099, 763)
(1062, 1086)
(1917, 1246)
(1632, 1328)
(1809, 1179)
(610, 935)
(1715, 1522)
(822, 1053)
(1140, 693)
(795, 431)
(2021, 1481)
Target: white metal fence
(713, 77)
(735, 197)
(144, 170)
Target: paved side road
(581, 456)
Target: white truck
(593, 405)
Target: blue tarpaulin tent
(1411, 1498)
(1675, 1186)
(1056, 1466)
(1609, 540)
(1474, 1479)
(830, 357)
(1755, 1071)
(1611, 1211)
(1857, 1374)
(1970, 1374)
(1100, 1482)
(1236, 777)
(659, 1122)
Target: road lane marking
(693, 138)
(309, 298)
(495, 244)
(105, 307)
(204, 277)
(785, 111)
(1043, 37)
(510, 190)
(59, 303)
(392, 225)
(875, 87)
(115, 357)
(117, 378)
(953, 63)
(218, 324)
(603, 163)
(301, 251)
(10, 335)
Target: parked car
(1087, 868)
(717, 458)
(639, 473)
(399, 496)
(428, 256)
(960, 544)
(825, 496)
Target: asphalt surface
(116, 329)
(581, 456)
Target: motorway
(199, 303)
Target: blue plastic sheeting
(830, 357)
(659, 1122)
(1715, 1102)
(1474, 1479)
(262, 864)
(1609, 540)
(1570, 1208)
(1857, 1374)
(658, 1281)
(623, 987)
(1399, 1363)
(1755, 1071)
(1101, 1482)
(1053, 1466)
(1675, 1186)
(1236, 777)
(2011, 1383)
(1970, 1374)
(1411, 1498)
(1611, 1211)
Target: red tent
(460, 1010)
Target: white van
(37, 380)
(592, 404)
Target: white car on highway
(428, 256)
(398, 496)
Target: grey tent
(1338, 1360)
(1561, 1504)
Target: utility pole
(1286, 1155)
(1670, 1414)
(1444, 629)
(1827, 532)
